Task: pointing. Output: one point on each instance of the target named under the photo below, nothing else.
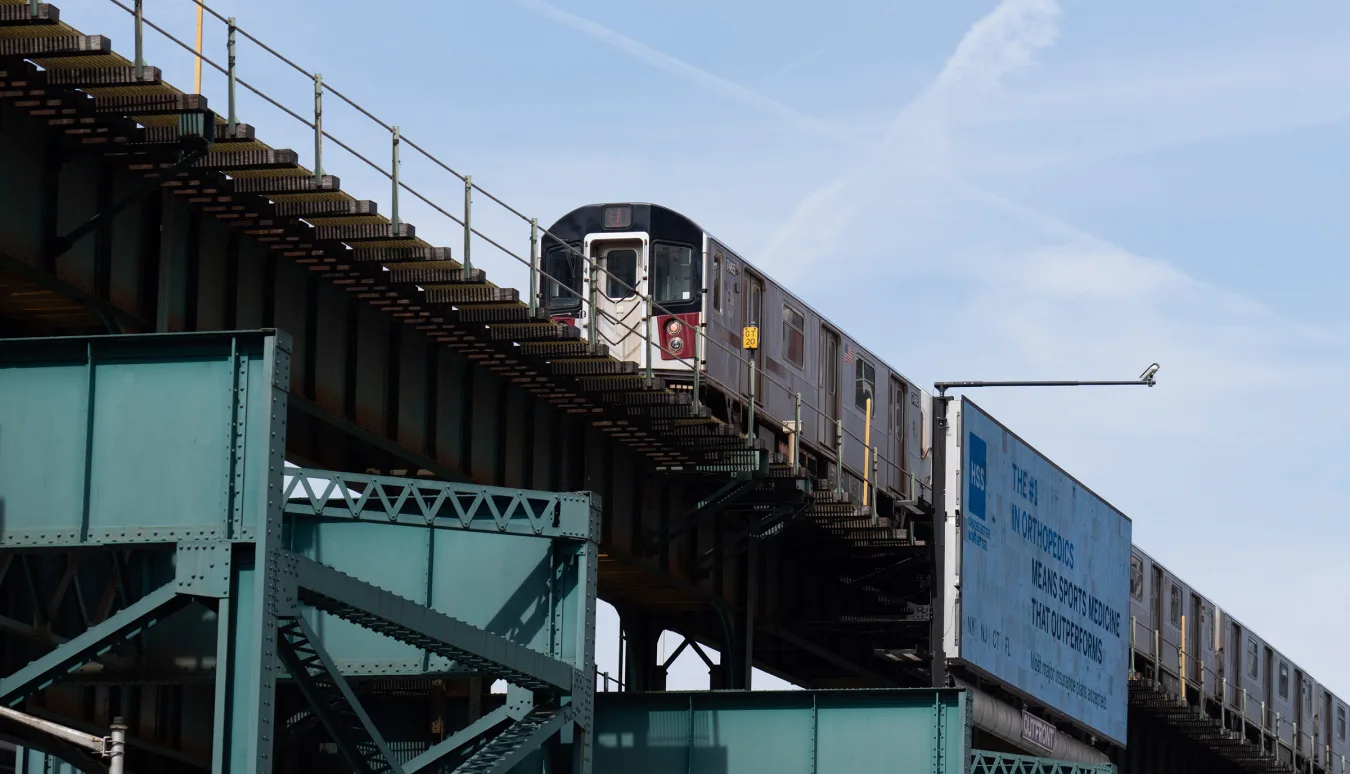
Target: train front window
(674, 274)
(562, 285)
(621, 273)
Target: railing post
(876, 517)
(318, 130)
(750, 411)
(393, 177)
(140, 40)
(698, 367)
(1244, 711)
(592, 297)
(1157, 659)
(648, 356)
(839, 456)
(534, 269)
(1134, 636)
(232, 120)
(796, 434)
(468, 232)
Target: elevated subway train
(701, 288)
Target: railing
(907, 484)
(986, 762)
(606, 683)
(1175, 669)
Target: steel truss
(268, 560)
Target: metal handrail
(537, 275)
(1236, 705)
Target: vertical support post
(1134, 636)
(698, 368)
(1181, 659)
(1243, 727)
(867, 450)
(592, 299)
(937, 601)
(468, 227)
(140, 40)
(393, 176)
(197, 81)
(750, 409)
(534, 272)
(796, 434)
(1157, 658)
(875, 464)
(118, 749)
(838, 456)
(232, 120)
(647, 355)
(318, 130)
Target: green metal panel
(126, 439)
(783, 732)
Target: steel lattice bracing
(985, 762)
(242, 584)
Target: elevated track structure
(130, 207)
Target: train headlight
(672, 327)
(676, 345)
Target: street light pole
(937, 629)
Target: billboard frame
(953, 514)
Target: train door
(894, 468)
(752, 313)
(1157, 599)
(620, 276)
(828, 381)
(1195, 646)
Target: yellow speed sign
(750, 337)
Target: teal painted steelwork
(89, 427)
(986, 762)
(787, 732)
(174, 445)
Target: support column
(246, 668)
(642, 668)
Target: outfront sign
(1044, 578)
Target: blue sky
(1026, 188)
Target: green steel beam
(139, 615)
(374, 608)
(420, 502)
(440, 754)
(311, 668)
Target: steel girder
(262, 548)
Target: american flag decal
(849, 354)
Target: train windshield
(674, 274)
(562, 286)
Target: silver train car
(1236, 675)
(704, 294)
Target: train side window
(1340, 723)
(794, 336)
(1137, 578)
(562, 287)
(620, 273)
(865, 385)
(1253, 661)
(1307, 694)
(717, 261)
(1175, 608)
(1284, 680)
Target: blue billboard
(1044, 579)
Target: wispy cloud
(670, 64)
